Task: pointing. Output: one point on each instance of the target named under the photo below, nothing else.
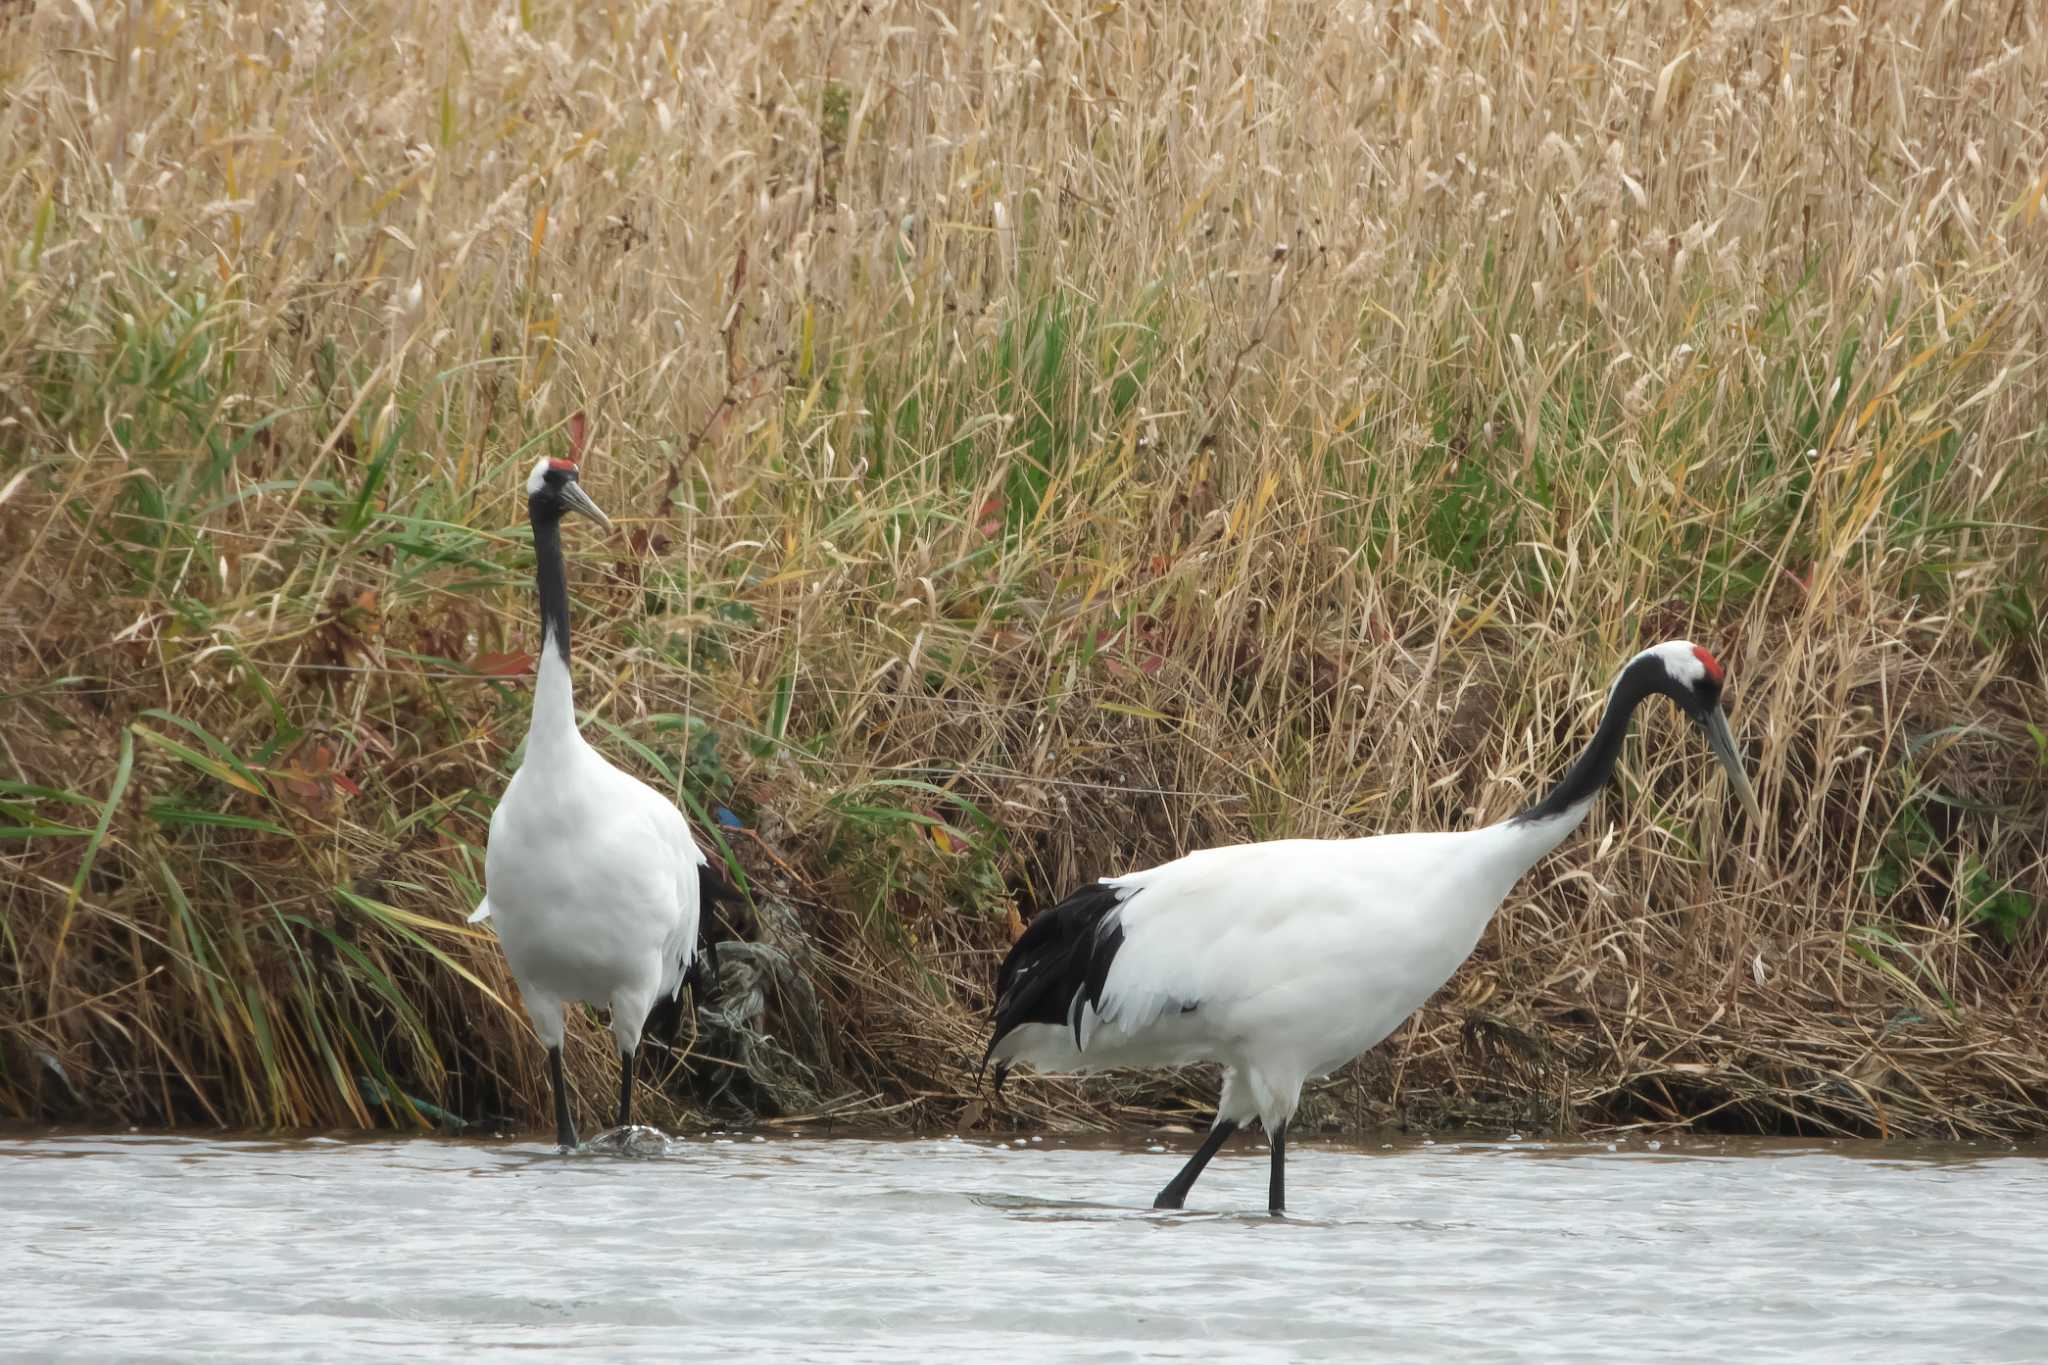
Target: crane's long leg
(1276, 1194)
(626, 1087)
(1176, 1192)
(565, 1127)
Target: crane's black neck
(549, 573)
(1584, 779)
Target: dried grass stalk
(1050, 436)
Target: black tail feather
(713, 889)
(700, 976)
(1062, 958)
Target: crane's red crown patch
(1708, 662)
(568, 466)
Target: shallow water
(857, 1250)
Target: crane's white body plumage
(1285, 960)
(593, 877)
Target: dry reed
(1049, 436)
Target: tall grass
(1048, 437)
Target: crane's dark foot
(626, 1089)
(1276, 1191)
(565, 1127)
(1175, 1195)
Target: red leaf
(296, 781)
(989, 517)
(514, 665)
(577, 431)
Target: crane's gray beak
(1722, 742)
(573, 494)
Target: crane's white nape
(1685, 661)
(1284, 960)
(538, 480)
(595, 886)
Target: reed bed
(1047, 437)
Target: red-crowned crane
(1284, 960)
(592, 880)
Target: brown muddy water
(1033, 1250)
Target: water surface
(733, 1248)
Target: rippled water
(856, 1250)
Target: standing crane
(1286, 959)
(592, 879)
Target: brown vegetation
(1048, 437)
